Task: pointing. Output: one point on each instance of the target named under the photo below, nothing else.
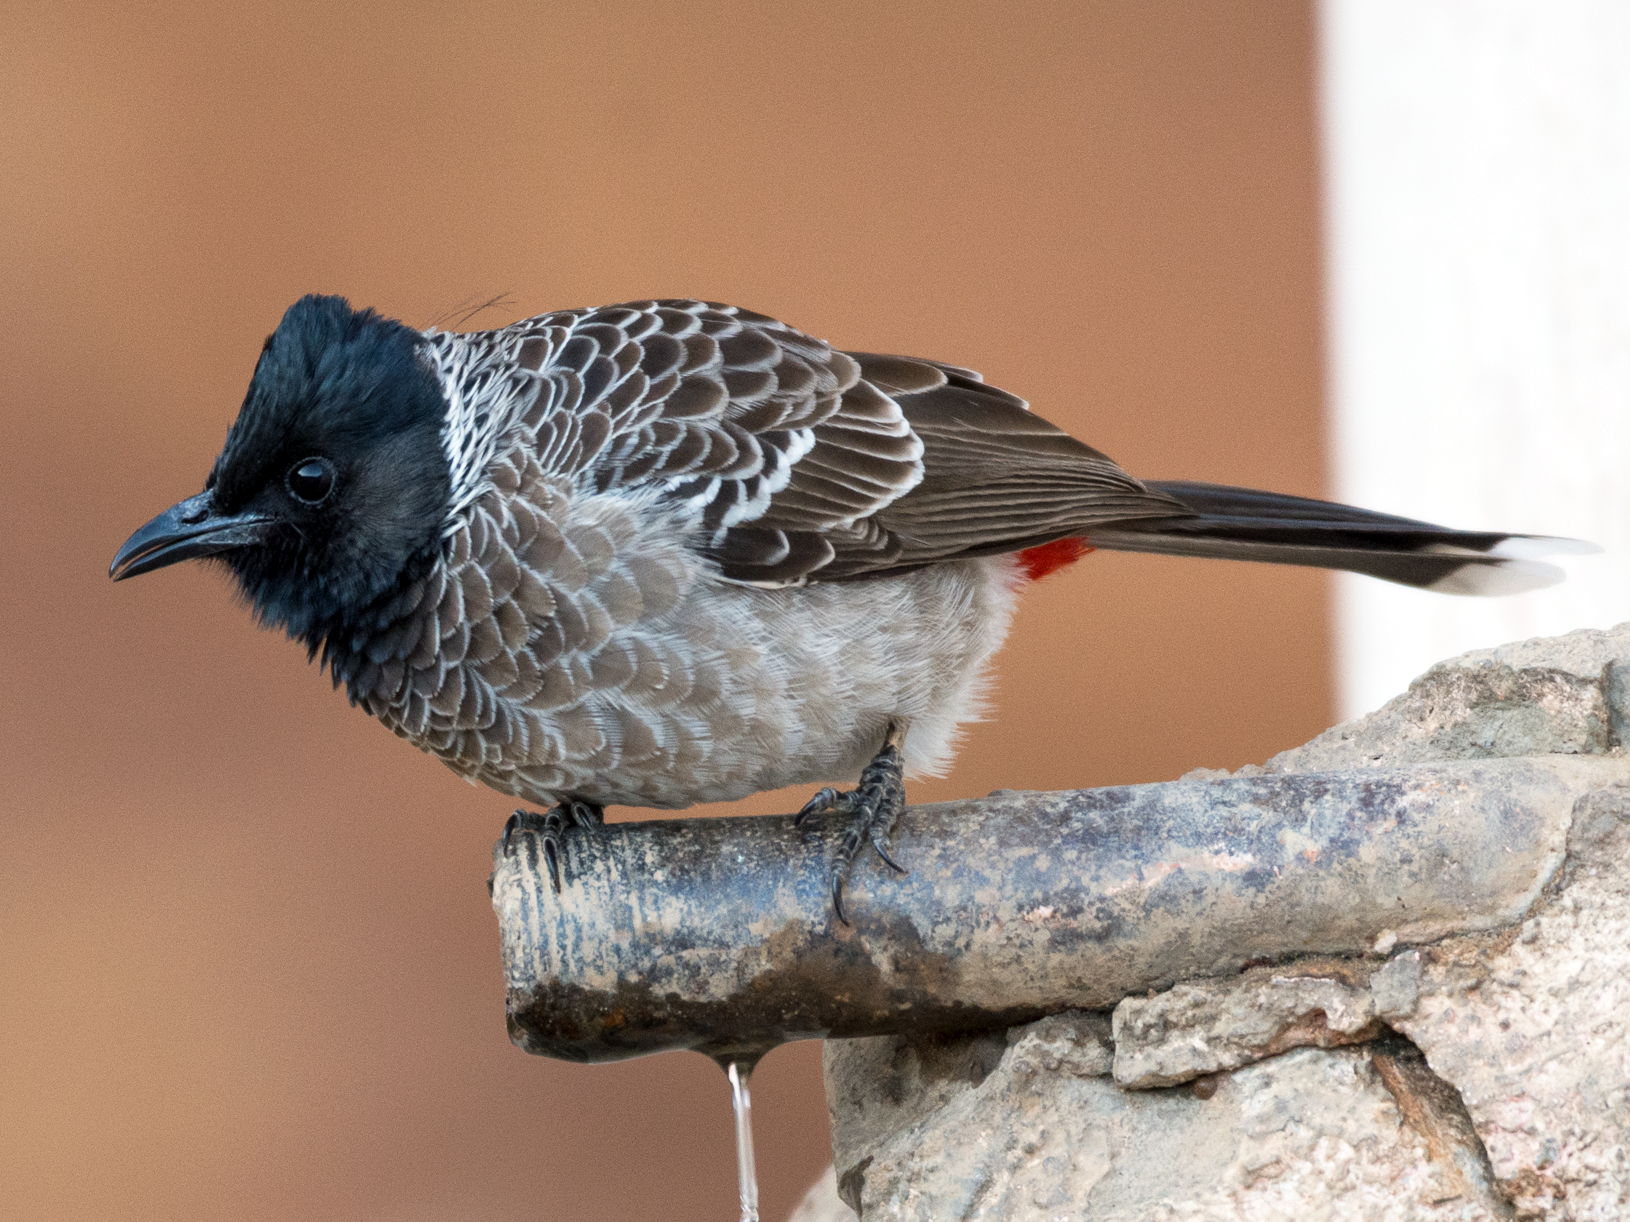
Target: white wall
(1477, 176)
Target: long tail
(1243, 524)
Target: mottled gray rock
(1197, 1029)
(1567, 695)
(1075, 1042)
(1519, 1108)
(1532, 1028)
(1396, 988)
(1308, 1135)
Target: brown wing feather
(807, 463)
(996, 478)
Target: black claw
(877, 844)
(550, 830)
(585, 814)
(837, 896)
(551, 858)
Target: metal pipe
(718, 934)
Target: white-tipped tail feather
(1532, 547)
(1244, 524)
(1483, 579)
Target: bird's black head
(330, 492)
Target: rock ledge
(1484, 1075)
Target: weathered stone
(1311, 1134)
(1192, 1030)
(1075, 1042)
(1567, 695)
(892, 1082)
(1520, 1107)
(1437, 1114)
(1533, 1029)
(1396, 988)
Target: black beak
(185, 532)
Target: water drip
(741, 1103)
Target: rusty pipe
(718, 934)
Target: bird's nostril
(195, 513)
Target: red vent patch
(1036, 562)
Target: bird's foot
(872, 807)
(549, 830)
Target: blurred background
(248, 968)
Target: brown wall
(249, 970)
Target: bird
(672, 551)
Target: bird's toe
(546, 835)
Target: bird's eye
(311, 480)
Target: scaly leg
(872, 807)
